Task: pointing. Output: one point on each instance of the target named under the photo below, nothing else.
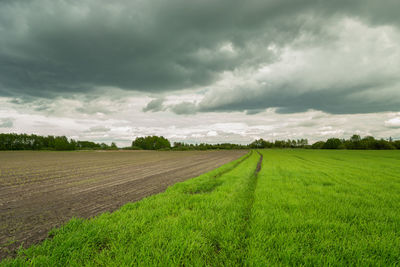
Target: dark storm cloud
(54, 48)
(49, 47)
(374, 12)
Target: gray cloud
(54, 48)
(253, 111)
(6, 123)
(356, 73)
(307, 123)
(290, 101)
(97, 129)
(184, 108)
(155, 105)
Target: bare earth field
(42, 190)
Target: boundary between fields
(234, 165)
(212, 180)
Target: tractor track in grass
(259, 164)
(248, 211)
(253, 185)
(34, 199)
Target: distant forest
(14, 141)
(355, 142)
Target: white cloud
(393, 123)
(212, 133)
(128, 122)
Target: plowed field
(42, 190)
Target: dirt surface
(42, 190)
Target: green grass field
(305, 207)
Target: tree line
(205, 146)
(13, 141)
(354, 142)
(161, 143)
(261, 143)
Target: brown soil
(42, 190)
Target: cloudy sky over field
(195, 71)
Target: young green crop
(337, 208)
(305, 207)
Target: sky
(200, 71)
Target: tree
(113, 146)
(354, 142)
(151, 143)
(355, 138)
(332, 143)
(104, 146)
(397, 144)
(61, 143)
(318, 145)
(260, 143)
